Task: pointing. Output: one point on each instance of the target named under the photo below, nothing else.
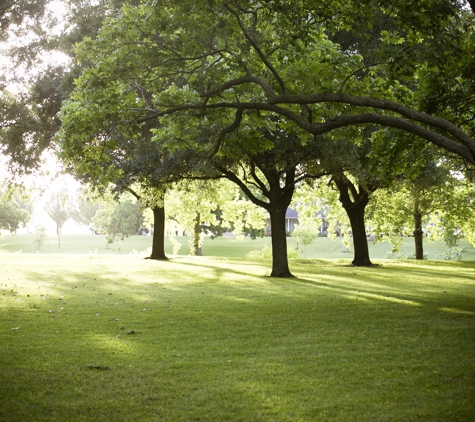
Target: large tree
(268, 174)
(38, 74)
(257, 57)
(215, 67)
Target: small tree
(306, 232)
(59, 208)
(40, 236)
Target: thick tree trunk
(355, 205)
(418, 233)
(280, 262)
(279, 198)
(360, 240)
(196, 236)
(158, 240)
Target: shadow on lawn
(438, 284)
(442, 285)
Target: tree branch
(379, 104)
(465, 147)
(258, 50)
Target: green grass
(216, 340)
(321, 248)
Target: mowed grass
(214, 339)
(224, 246)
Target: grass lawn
(321, 248)
(119, 338)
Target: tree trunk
(158, 241)
(196, 236)
(280, 262)
(418, 233)
(58, 232)
(360, 240)
(355, 205)
(279, 198)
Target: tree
(13, 13)
(240, 67)
(59, 208)
(217, 82)
(268, 176)
(409, 204)
(266, 172)
(12, 215)
(40, 236)
(321, 197)
(118, 220)
(354, 200)
(154, 199)
(84, 211)
(458, 218)
(193, 205)
(305, 232)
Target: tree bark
(355, 208)
(158, 240)
(280, 262)
(360, 241)
(418, 233)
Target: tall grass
(119, 338)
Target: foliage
(452, 254)
(186, 71)
(118, 220)
(37, 74)
(12, 215)
(84, 211)
(321, 197)
(189, 200)
(306, 232)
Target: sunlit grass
(216, 339)
(225, 246)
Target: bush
(403, 255)
(452, 254)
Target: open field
(119, 338)
(321, 248)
